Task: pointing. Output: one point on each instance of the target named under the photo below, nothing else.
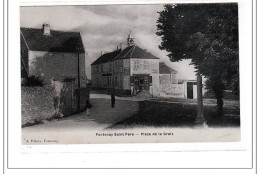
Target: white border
(209, 159)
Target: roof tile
(57, 41)
(135, 52)
(108, 57)
(164, 69)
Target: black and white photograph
(138, 73)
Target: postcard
(151, 73)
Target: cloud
(61, 17)
(104, 27)
(130, 12)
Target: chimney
(46, 29)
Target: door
(141, 83)
(190, 90)
(146, 83)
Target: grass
(182, 114)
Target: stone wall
(24, 58)
(44, 103)
(37, 104)
(165, 79)
(84, 95)
(172, 90)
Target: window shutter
(132, 80)
(150, 80)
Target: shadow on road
(158, 114)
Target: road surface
(82, 129)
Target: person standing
(88, 106)
(113, 99)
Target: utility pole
(200, 120)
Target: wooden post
(200, 120)
(78, 104)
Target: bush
(34, 81)
(227, 94)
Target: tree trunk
(220, 105)
(218, 91)
(200, 120)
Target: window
(146, 65)
(110, 66)
(126, 63)
(116, 82)
(126, 71)
(109, 81)
(121, 80)
(136, 65)
(115, 66)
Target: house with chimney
(134, 69)
(51, 54)
(57, 58)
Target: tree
(208, 35)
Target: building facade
(57, 58)
(131, 70)
(51, 54)
(102, 70)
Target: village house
(102, 70)
(56, 61)
(51, 54)
(133, 68)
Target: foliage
(34, 81)
(208, 35)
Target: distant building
(132, 68)
(49, 54)
(102, 70)
(167, 74)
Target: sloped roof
(164, 69)
(108, 57)
(57, 41)
(135, 52)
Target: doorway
(141, 82)
(190, 94)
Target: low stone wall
(172, 90)
(37, 104)
(42, 103)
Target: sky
(104, 27)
